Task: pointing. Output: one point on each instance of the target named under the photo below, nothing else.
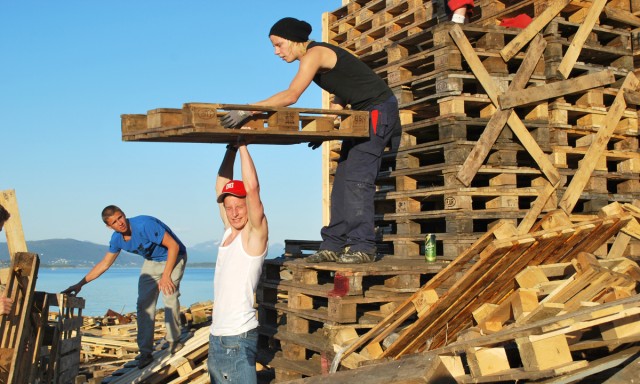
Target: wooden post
(532, 29)
(13, 227)
(326, 146)
(571, 56)
(15, 328)
(590, 160)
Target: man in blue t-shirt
(165, 259)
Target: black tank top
(352, 80)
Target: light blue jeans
(232, 359)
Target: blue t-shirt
(146, 239)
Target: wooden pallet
(94, 347)
(376, 23)
(200, 123)
(62, 360)
(487, 281)
(554, 289)
(18, 338)
(183, 366)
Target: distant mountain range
(82, 254)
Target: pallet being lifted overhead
(200, 123)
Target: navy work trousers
(352, 222)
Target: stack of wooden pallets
(488, 124)
(306, 308)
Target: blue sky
(69, 69)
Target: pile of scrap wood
(109, 344)
(531, 306)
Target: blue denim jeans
(232, 359)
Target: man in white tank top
(233, 341)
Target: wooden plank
(13, 226)
(514, 121)
(588, 164)
(538, 355)
(478, 69)
(487, 361)
(603, 232)
(481, 149)
(326, 176)
(619, 246)
(632, 97)
(572, 53)
(476, 157)
(632, 229)
(536, 208)
(15, 328)
(628, 374)
(410, 370)
(556, 89)
(563, 323)
(40, 314)
(531, 145)
(622, 16)
(596, 366)
(519, 374)
(520, 301)
(515, 45)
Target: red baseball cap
(235, 188)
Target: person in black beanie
(350, 235)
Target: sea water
(117, 288)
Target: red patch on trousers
(521, 21)
(374, 120)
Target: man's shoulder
(143, 219)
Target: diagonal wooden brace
(499, 119)
(599, 144)
(514, 121)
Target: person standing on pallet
(233, 339)
(6, 303)
(165, 259)
(350, 235)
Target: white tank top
(234, 285)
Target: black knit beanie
(291, 29)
